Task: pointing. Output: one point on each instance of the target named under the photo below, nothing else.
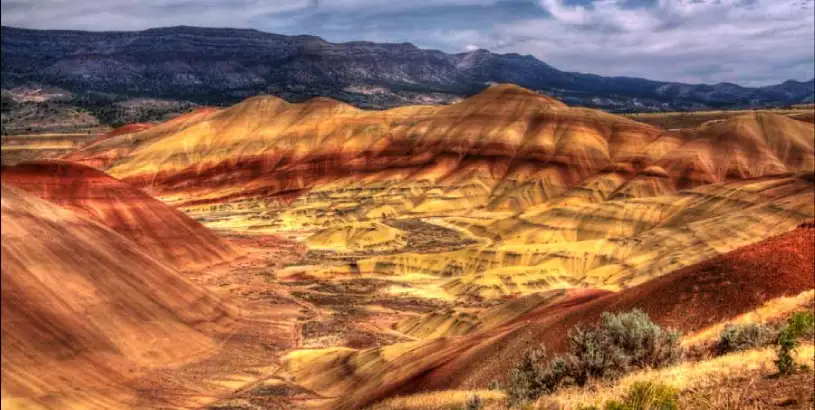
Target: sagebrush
(736, 338)
(617, 345)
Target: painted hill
(120, 142)
(443, 239)
(165, 233)
(85, 309)
(523, 147)
(560, 196)
(689, 299)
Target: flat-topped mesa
(164, 232)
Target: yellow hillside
(548, 196)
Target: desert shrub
(531, 378)
(735, 338)
(645, 342)
(647, 396)
(525, 380)
(593, 354)
(618, 344)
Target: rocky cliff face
(222, 66)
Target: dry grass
(677, 120)
(448, 399)
(722, 399)
(724, 383)
(695, 380)
(773, 311)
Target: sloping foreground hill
(689, 299)
(162, 231)
(84, 310)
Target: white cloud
(115, 15)
(689, 41)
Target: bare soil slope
(84, 309)
(162, 231)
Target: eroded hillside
(366, 254)
(531, 194)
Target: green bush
(643, 396)
(531, 379)
(800, 324)
(651, 396)
(645, 343)
(735, 338)
(787, 343)
(618, 344)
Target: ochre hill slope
(505, 135)
(690, 299)
(457, 322)
(505, 149)
(555, 197)
(609, 244)
(84, 310)
(121, 142)
(126, 129)
(160, 230)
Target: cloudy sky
(749, 42)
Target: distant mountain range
(222, 66)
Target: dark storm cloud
(750, 42)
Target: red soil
(130, 128)
(164, 232)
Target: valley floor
(284, 309)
